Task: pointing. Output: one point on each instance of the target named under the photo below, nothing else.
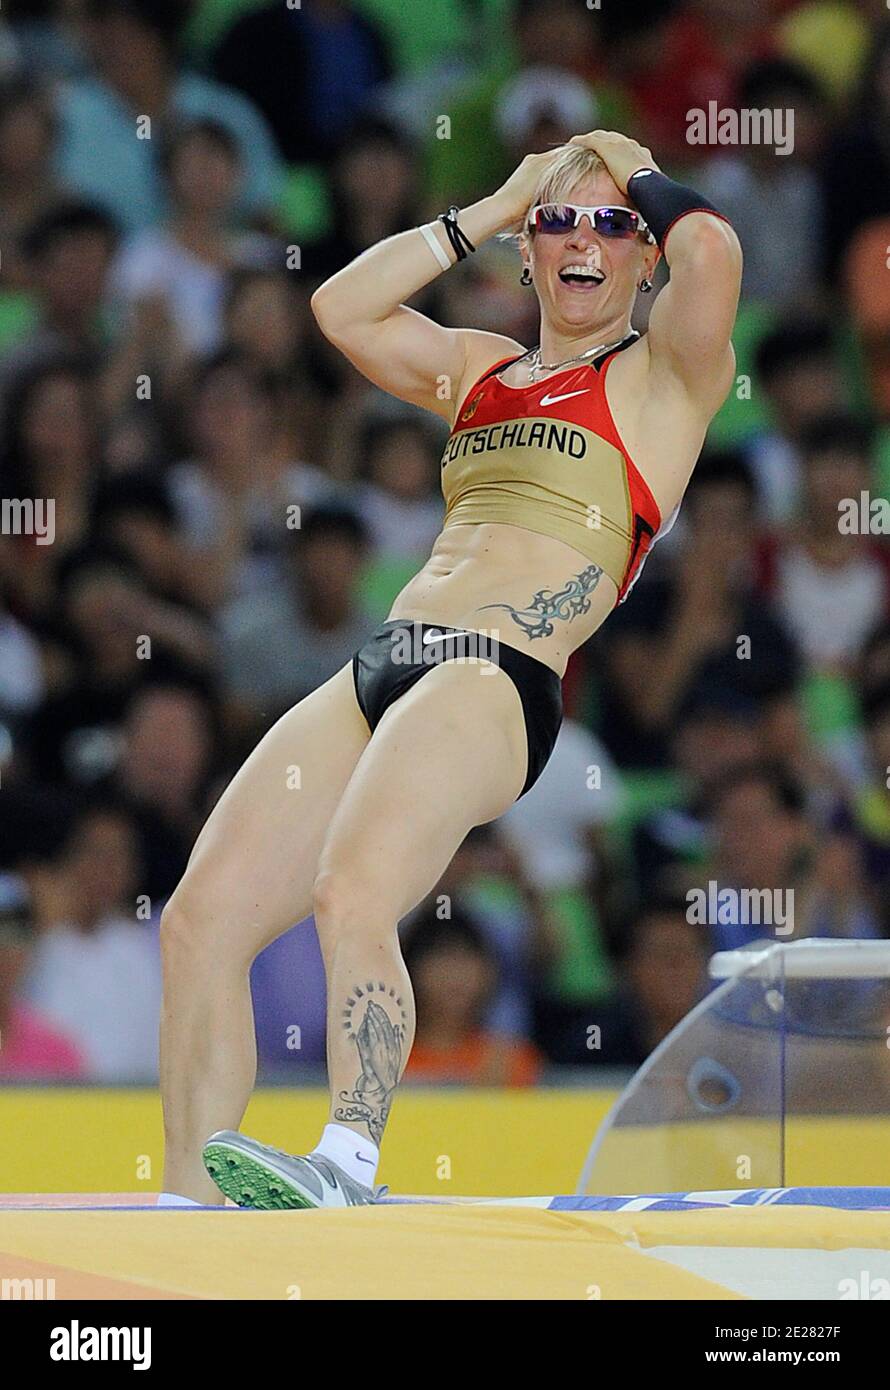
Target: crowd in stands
(235, 507)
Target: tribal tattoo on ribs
(548, 607)
(379, 1042)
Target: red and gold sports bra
(549, 458)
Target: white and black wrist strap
(460, 242)
(432, 242)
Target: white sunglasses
(615, 222)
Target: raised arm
(690, 327)
(691, 322)
(362, 309)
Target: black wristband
(663, 202)
(460, 243)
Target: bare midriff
(517, 587)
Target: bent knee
(194, 926)
(181, 924)
(346, 900)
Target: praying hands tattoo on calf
(380, 1044)
(549, 607)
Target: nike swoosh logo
(551, 400)
(443, 636)
(369, 1161)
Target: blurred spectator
(28, 188)
(67, 255)
(185, 261)
(488, 295)
(799, 372)
(540, 108)
(866, 816)
(829, 586)
(690, 628)
(31, 1048)
(268, 321)
(559, 842)
(561, 86)
(164, 758)
(400, 497)
(134, 515)
(96, 971)
(21, 667)
(281, 644)
(120, 635)
(47, 39)
(867, 285)
(311, 70)
(716, 729)
(556, 828)
(454, 975)
(819, 758)
(263, 318)
(772, 199)
(547, 940)
(676, 57)
(765, 843)
(373, 189)
(831, 38)
(51, 452)
(664, 967)
(51, 439)
(235, 499)
(857, 164)
(106, 150)
(489, 882)
(873, 671)
(10, 51)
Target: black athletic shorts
(402, 651)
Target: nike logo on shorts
(551, 400)
(443, 636)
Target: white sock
(356, 1156)
(172, 1199)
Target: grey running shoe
(255, 1175)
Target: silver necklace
(536, 366)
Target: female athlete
(563, 465)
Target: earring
(645, 286)
(526, 276)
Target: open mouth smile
(581, 277)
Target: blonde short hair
(572, 165)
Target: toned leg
(449, 755)
(249, 879)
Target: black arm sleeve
(663, 202)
